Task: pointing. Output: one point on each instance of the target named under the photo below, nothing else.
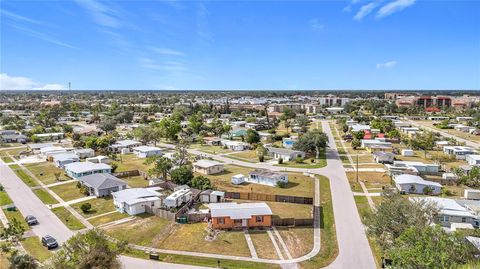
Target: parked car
(49, 242)
(31, 220)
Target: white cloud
(23, 83)
(387, 65)
(316, 25)
(101, 13)
(364, 11)
(394, 6)
(19, 18)
(169, 66)
(166, 51)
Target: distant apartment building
(333, 101)
(428, 101)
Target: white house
(267, 177)
(146, 151)
(415, 184)
(182, 194)
(62, 159)
(124, 146)
(400, 167)
(98, 159)
(208, 167)
(80, 169)
(460, 152)
(235, 145)
(284, 154)
(374, 143)
(49, 151)
(84, 153)
(137, 200)
(473, 159)
(472, 194)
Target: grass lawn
(99, 206)
(131, 162)
(5, 199)
(307, 163)
(28, 180)
(374, 179)
(45, 196)
(12, 152)
(329, 249)
(298, 185)
(210, 149)
(191, 237)
(96, 221)
(206, 262)
(142, 231)
(362, 206)
(45, 172)
(34, 247)
(299, 240)
(68, 219)
(353, 182)
(7, 159)
(68, 191)
(136, 181)
(263, 244)
(16, 215)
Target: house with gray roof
(102, 184)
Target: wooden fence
(269, 197)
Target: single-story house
(212, 141)
(210, 196)
(264, 136)
(267, 177)
(238, 179)
(246, 215)
(415, 184)
(98, 159)
(235, 145)
(50, 136)
(359, 127)
(146, 151)
(137, 200)
(460, 152)
(81, 169)
(473, 159)
(383, 157)
(182, 194)
(124, 146)
(62, 159)
(208, 167)
(35, 147)
(451, 211)
(49, 151)
(84, 153)
(284, 154)
(103, 184)
(12, 136)
(236, 133)
(375, 142)
(415, 167)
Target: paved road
(467, 142)
(29, 204)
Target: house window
(444, 218)
(259, 218)
(464, 219)
(221, 220)
(237, 221)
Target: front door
(244, 222)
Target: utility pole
(69, 86)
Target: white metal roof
(239, 211)
(206, 163)
(82, 167)
(410, 179)
(146, 148)
(137, 195)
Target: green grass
(5, 199)
(34, 247)
(7, 159)
(132, 162)
(200, 261)
(263, 244)
(68, 191)
(96, 221)
(28, 180)
(45, 172)
(16, 215)
(99, 206)
(210, 149)
(142, 231)
(362, 206)
(68, 219)
(286, 210)
(136, 181)
(45, 197)
(307, 163)
(329, 248)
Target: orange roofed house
(247, 215)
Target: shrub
(281, 184)
(86, 207)
(79, 185)
(261, 158)
(280, 161)
(299, 160)
(114, 167)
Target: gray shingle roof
(102, 181)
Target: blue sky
(220, 45)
